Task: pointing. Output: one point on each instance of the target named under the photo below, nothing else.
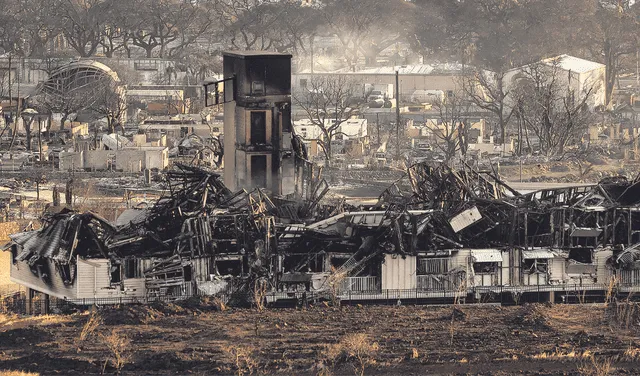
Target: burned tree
(325, 102)
(488, 91)
(451, 128)
(364, 29)
(551, 108)
(110, 104)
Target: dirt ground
(408, 340)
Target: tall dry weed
(355, 347)
(94, 321)
(118, 345)
(243, 358)
(595, 367)
(259, 294)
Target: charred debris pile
(202, 233)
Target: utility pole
(397, 116)
(378, 127)
(10, 87)
(311, 45)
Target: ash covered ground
(198, 338)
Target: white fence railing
(438, 282)
(630, 277)
(360, 284)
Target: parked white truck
(377, 95)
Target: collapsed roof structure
(436, 230)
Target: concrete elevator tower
(257, 122)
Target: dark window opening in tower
(259, 171)
(258, 127)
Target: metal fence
(21, 304)
(505, 295)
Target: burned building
(257, 122)
(436, 233)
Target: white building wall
(93, 281)
(557, 270)
(130, 160)
(504, 271)
(578, 81)
(602, 271)
(399, 273)
(97, 159)
(22, 275)
(71, 160)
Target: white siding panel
(399, 273)
(20, 273)
(465, 219)
(603, 273)
(460, 259)
(93, 281)
(504, 280)
(134, 287)
(557, 269)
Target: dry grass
(18, 373)
(595, 367)
(243, 359)
(219, 304)
(259, 294)
(611, 288)
(462, 288)
(94, 320)
(631, 354)
(8, 319)
(118, 345)
(13, 321)
(356, 347)
(563, 355)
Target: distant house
(175, 127)
(579, 75)
(351, 136)
(411, 78)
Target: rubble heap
(454, 228)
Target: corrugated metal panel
(399, 273)
(538, 254)
(131, 215)
(465, 219)
(486, 255)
